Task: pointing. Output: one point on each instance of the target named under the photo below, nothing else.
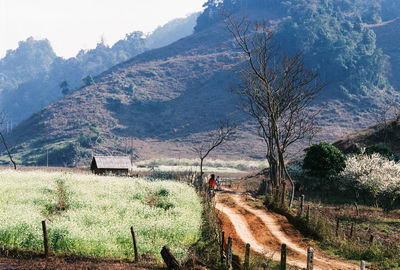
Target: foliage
(207, 249)
(331, 35)
(375, 176)
(67, 155)
(87, 80)
(99, 214)
(64, 87)
(323, 160)
(383, 150)
(343, 51)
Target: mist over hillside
(162, 102)
(30, 75)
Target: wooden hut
(116, 165)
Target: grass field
(214, 166)
(91, 215)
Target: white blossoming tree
(373, 175)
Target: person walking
(218, 182)
(212, 182)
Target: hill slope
(387, 133)
(162, 102)
(160, 99)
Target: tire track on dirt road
(237, 209)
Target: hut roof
(111, 162)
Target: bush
(64, 155)
(375, 176)
(383, 150)
(323, 160)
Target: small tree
(64, 87)
(383, 150)
(88, 80)
(323, 160)
(3, 141)
(225, 132)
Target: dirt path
(266, 231)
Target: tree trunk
(201, 167)
(292, 184)
(8, 150)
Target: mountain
(31, 59)
(164, 101)
(172, 31)
(388, 39)
(30, 75)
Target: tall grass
(93, 214)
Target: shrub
(65, 155)
(375, 176)
(323, 160)
(383, 150)
(85, 141)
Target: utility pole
(47, 157)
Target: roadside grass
(382, 252)
(91, 215)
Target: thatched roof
(111, 162)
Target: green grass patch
(91, 215)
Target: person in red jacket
(212, 182)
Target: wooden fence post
(310, 258)
(283, 257)
(222, 247)
(169, 259)
(351, 230)
(362, 267)
(371, 239)
(229, 253)
(45, 239)
(134, 245)
(247, 257)
(337, 227)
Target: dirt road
(246, 222)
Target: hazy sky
(71, 25)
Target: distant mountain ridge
(31, 74)
(162, 102)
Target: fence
(227, 255)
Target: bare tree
(225, 132)
(3, 140)
(276, 90)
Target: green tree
(383, 150)
(323, 160)
(64, 87)
(88, 80)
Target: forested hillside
(30, 76)
(162, 102)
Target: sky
(72, 25)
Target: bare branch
(276, 90)
(3, 140)
(224, 133)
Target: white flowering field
(96, 214)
